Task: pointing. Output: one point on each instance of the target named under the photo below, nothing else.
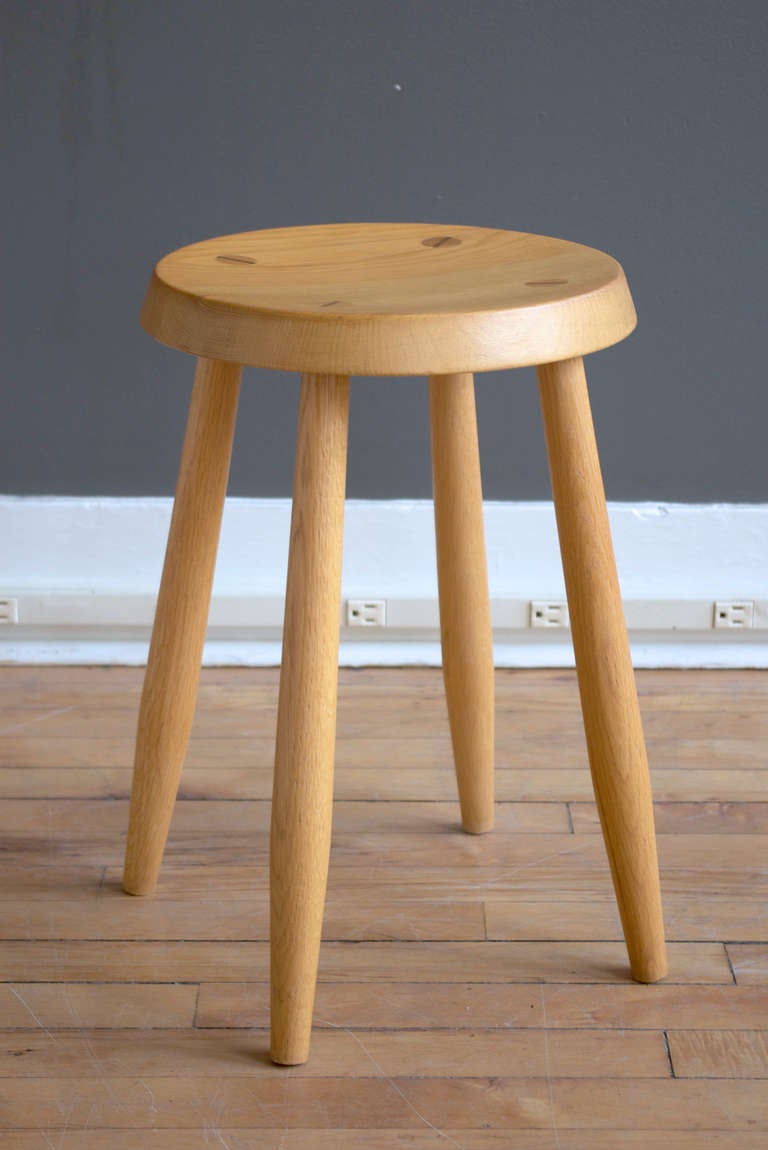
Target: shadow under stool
(388, 299)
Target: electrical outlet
(366, 612)
(549, 613)
(9, 611)
(733, 613)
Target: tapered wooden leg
(465, 615)
(173, 669)
(302, 797)
(606, 681)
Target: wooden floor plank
(423, 1138)
(688, 818)
(416, 717)
(336, 1053)
(656, 1007)
(604, 962)
(116, 916)
(401, 1103)
(213, 1102)
(63, 1006)
(685, 919)
(662, 1104)
(507, 1006)
(385, 784)
(102, 820)
(750, 963)
(539, 750)
(565, 861)
(548, 879)
(545, 881)
(719, 1053)
(385, 1005)
(111, 915)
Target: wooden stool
(388, 299)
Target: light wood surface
(609, 702)
(444, 1013)
(161, 960)
(388, 299)
(514, 915)
(302, 798)
(465, 611)
(170, 685)
(376, 782)
(720, 1053)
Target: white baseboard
(82, 575)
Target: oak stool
(388, 299)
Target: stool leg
(173, 668)
(302, 798)
(465, 615)
(606, 681)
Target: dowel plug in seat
(389, 299)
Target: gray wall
(131, 128)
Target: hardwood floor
(473, 990)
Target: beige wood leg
(606, 681)
(173, 668)
(302, 797)
(465, 615)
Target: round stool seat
(388, 299)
